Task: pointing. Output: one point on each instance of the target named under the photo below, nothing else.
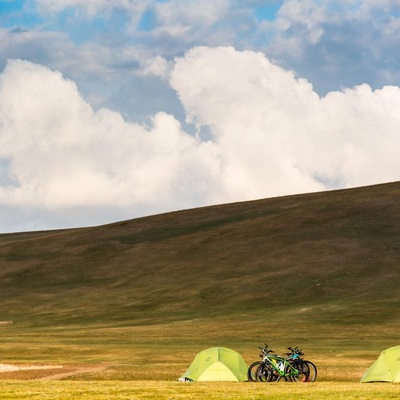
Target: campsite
(121, 310)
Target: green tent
(386, 368)
(216, 364)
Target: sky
(117, 109)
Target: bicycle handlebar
(265, 351)
(296, 350)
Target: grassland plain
(140, 298)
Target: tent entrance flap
(217, 372)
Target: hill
(293, 268)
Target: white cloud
(268, 134)
(249, 105)
(64, 154)
(277, 135)
(359, 142)
(155, 66)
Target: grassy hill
(317, 270)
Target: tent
(216, 364)
(386, 368)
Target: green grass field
(136, 300)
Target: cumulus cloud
(260, 132)
(277, 135)
(61, 153)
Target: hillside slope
(332, 255)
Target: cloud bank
(260, 132)
(276, 135)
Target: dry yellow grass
(163, 390)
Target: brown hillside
(338, 248)
(316, 270)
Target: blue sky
(111, 110)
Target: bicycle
(263, 371)
(251, 372)
(273, 367)
(307, 370)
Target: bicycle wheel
(251, 372)
(274, 375)
(264, 373)
(288, 373)
(303, 374)
(312, 370)
(260, 374)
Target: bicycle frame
(281, 365)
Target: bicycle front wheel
(264, 373)
(251, 372)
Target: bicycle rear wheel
(303, 374)
(312, 371)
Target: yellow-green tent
(386, 368)
(216, 364)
